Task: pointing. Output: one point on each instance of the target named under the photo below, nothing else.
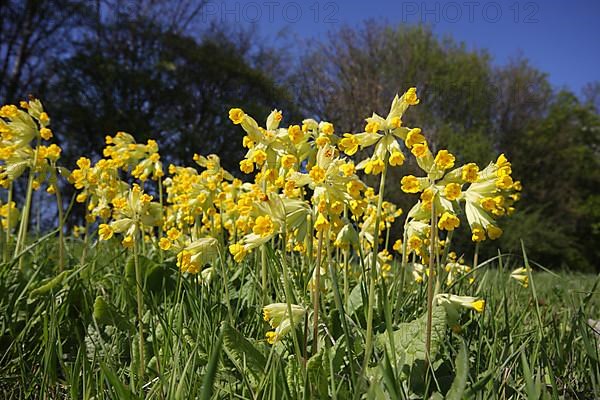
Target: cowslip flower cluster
(303, 197)
(22, 131)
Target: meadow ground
(74, 335)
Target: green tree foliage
(476, 109)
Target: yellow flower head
(494, 232)
(349, 144)
(448, 221)
(46, 133)
(477, 233)
(263, 226)
(288, 161)
(452, 191)
(420, 150)
(410, 97)
(410, 184)
(236, 115)
(444, 159)
(396, 158)
(317, 174)
(164, 243)
(326, 128)
(374, 166)
(469, 172)
(295, 134)
(238, 251)
(246, 166)
(413, 137)
(105, 231)
(372, 127)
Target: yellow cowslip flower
(448, 221)
(470, 172)
(246, 166)
(321, 223)
(349, 144)
(348, 169)
(105, 231)
(521, 276)
(488, 203)
(396, 122)
(46, 133)
(317, 174)
(247, 142)
(236, 115)
(414, 242)
(413, 137)
(326, 128)
(354, 187)
(374, 166)
(477, 233)
(452, 191)
(164, 243)
(397, 246)
(295, 134)
(263, 226)
(444, 159)
(53, 152)
(128, 241)
(288, 161)
(427, 198)
(44, 118)
(494, 232)
(473, 303)
(259, 157)
(372, 127)
(276, 313)
(410, 184)
(396, 158)
(238, 251)
(411, 96)
(420, 150)
(504, 182)
(322, 141)
(9, 111)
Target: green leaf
(355, 301)
(211, 369)
(247, 359)
(462, 373)
(122, 391)
(48, 285)
(107, 314)
(409, 338)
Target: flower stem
(316, 292)
(373, 275)
(140, 311)
(430, 278)
(8, 222)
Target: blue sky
(560, 37)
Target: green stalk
(430, 278)
(346, 268)
(59, 206)
(288, 299)
(86, 235)
(316, 293)
(21, 237)
(8, 222)
(373, 275)
(263, 254)
(140, 310)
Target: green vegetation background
(150, 69)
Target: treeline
(157, 69)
